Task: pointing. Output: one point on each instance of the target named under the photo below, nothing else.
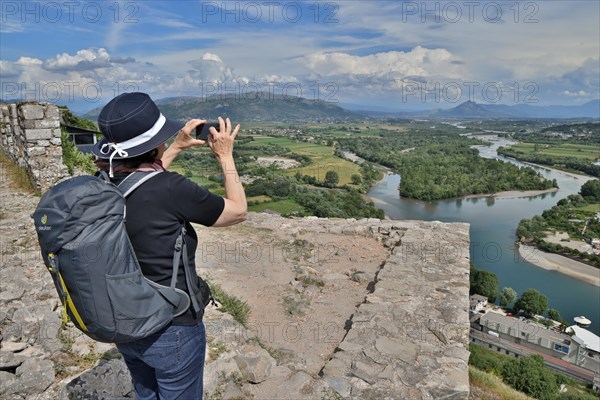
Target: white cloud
(9, 69)
(172, 23)
(9, 26)
(581, 93)
(87, 59)
(28, 61)
(419, 61)
(211, 69)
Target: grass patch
(18, 177)
(490, 387)
(65, 359)
(283, 207)
(309, 280)
(294, 304)
(330, 394)
(239, 309)
(581, 151)
(259, 199)
(485, 370)
(215, 349)
(589, 207)
(73, 158)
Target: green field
(322, 159)
(585, 152)
(281, 206)
(589, 208)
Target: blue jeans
(168, 364)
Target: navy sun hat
(132, 125)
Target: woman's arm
(221, 143)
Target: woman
(168, 364)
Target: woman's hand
(221, 141)
(184, 139)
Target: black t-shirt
(155, 212)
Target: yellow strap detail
(71, 305)
(64, 317)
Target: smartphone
(202, 131)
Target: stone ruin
(30, 135)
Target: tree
(532, 302)
(356, 179)
(484, 283)
(591, 189)
(331, 178)
(554, 314)
(530, 376)
(507, 296)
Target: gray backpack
(80, 224)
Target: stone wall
(30, 135)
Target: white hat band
(144, 137)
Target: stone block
(43, 143)
(56, 153)
(34, 377)
(255, 364)
(109, 379)
(52, 112)
(336, 367)
(7, 381)
(339, 385)
(349, 346)
(41, 123)
(56, 132)
(56, 141)
(12, 108)
(31, 111)
(399, 349)
(37, 134)
(36, 151)
(300, 382)
(9, 361)
(12, 346)
(232, 392)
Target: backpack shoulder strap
(135, 180)
(182, 254)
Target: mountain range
(268, 107)
(262, 107)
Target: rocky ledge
(399, 290)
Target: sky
(388, 55)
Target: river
(493, 235)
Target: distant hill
(249, 108)
(269, 108)
(468, 109)
(472, 110)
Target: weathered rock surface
(108, 380)
(255, 364)
(408, 339)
